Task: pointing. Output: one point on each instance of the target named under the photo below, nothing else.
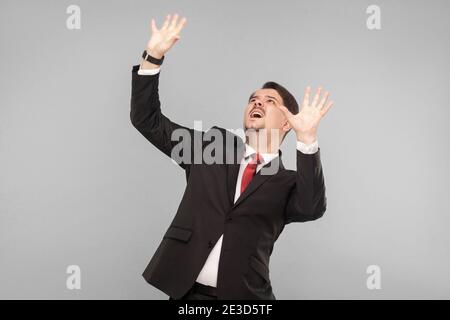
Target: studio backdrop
(83, 194)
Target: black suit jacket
(207, 210)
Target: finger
(173, 23)
(166, 22)
(153, 26)
(286, 111)
(316, 97)
(306, 96)
(324, 100)
(180, 25)
(326, 108)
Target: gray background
(79, 185)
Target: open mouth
(256, 113)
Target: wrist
(154, 53)
(306, 139)
(149, 65)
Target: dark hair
(288, 99)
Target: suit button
(229, 218)
(210, 244)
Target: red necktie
(250, 171)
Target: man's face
(262, 112)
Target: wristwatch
(151, 59)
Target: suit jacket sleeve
(307, 200)
(147, 118)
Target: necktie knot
(256, 158)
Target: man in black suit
(235, 207)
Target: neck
(262, 142)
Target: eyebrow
(253, 96)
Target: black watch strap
(151, 59)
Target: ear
(286, 126)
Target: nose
(258, 103)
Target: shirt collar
(266, 156)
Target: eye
(271, 101)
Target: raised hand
(164, 38)
(305, 122)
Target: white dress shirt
(208, 274)
(148, 72)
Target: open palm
(164, 38)
(305, 122)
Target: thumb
(175, 39)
